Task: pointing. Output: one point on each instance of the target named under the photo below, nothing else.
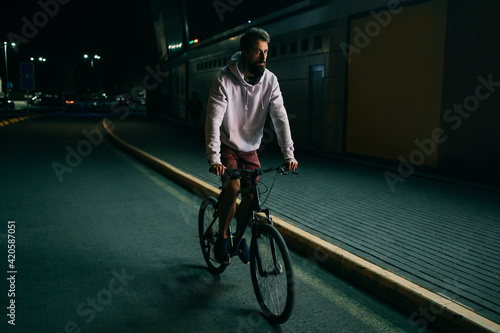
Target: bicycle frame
(253, 209)
(251, 214)
(270, 263)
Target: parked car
(34, 98)
(6, 103)
(48, 100)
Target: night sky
(110, 28)
(120, 32)
(207, 18)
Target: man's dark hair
(251, 35)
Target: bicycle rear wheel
(272, 274)
(208, 229)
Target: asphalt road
(104, 244)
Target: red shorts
(234, 159)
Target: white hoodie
(237, 110)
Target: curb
(12, 121)
(426, 308)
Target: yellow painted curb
(19, 119)
(408, 296)
(385, 284)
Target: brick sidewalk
(439, 235)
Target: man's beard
(257, 69)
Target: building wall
(423, 90)
(395, 81)
(471, 57)
(386, 82)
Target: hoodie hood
(250, 89)
(234, 67)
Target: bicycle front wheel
(272, 274)
(208, 229)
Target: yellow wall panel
(395, 80)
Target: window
(293, 47)
(305, 45)
(317, 42)
(274, 51)
(282, 49)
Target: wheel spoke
(208, 225)
(274, 284)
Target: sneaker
(243, 251)
(220, 251)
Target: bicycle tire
(208, 233)
(275, 290)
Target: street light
(7, 68)
(34, 60)
(96, 57)
(92, 74)
(40, 59)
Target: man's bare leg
(227, 206)
(241, 212)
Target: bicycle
(270, 264)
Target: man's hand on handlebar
(217, 169)
(291, 164)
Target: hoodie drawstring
(246, 97)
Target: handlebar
(236, 173)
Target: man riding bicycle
(241, 95)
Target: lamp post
(40, 60)
(6, 71)
(95, 57)
(7, 68)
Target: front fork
(259, 219)
(262, 216)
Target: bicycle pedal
(214, 258)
